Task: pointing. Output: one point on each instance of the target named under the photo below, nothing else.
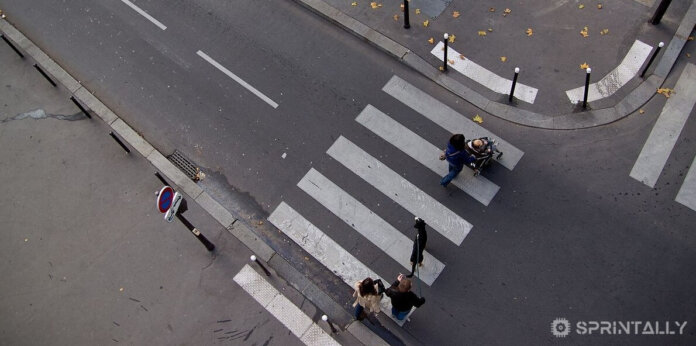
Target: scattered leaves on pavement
(688, 55)
(478, 119)
(604, 32)
(691, 38)
(599, 6)
(529, 32)
(426, 23)
(481, 33)
(451, 38)
(665, 91)
(418, 11)
(490, 29)
(26, 240)
(441, 68)
(503, 58)
(120, 289)
(461, 56)
(431, 40)
(402, 7)
(581, 6)
(375, 5)
(584, 66)
(641, 111)
(583, 32)
(506, 12)
(396, 17)
(455, 14)
(354, 3)
(450, 61)
(491, 9)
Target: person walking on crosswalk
(418, 245)
(402, 299)
(456, 157)
(367, 298)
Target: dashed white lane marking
(669, 124)
(447, 118)
(480, 188)
(367, 223)
(325, 250)
(400, 190)
(687, 192)
(281, 308)
(144, 14)
(482, 76)
(607, 86)
(237, 79)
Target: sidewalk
(549, 58)
(86, 257)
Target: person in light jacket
(367, 298)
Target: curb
(238, 229)
(569, 121)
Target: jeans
(453, 172)
(400, 315)
(358, 310)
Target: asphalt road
(569, 234)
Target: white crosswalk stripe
(480, 75)
(687, 192)
(281, 308)
(666, 130)
(324, 249)
(413, 199)
(425, 153)
(367, 223)
(447, 118)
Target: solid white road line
(400, 190)
(144, 14)
(482, 76)
(687, 192)
(367, 223)
(480, 188)
(666, 130)
(447, 118)
(237, 79)
(281, 308)
(325, 250)
(617, 78)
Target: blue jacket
(457, 157)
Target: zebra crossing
(386, 180)
(663, 137)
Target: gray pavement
(549, 58)
(86, 258)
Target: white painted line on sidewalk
(144, 14)
(326, 250)
(478, 187)
(237, 79)
(482, 76)
(400, 190)
(447, 118)
(369, 224)
(622, 74)
(666, 130)
(687, 192)
(281, 308)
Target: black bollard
(74, 100)
(118, 140)
(326, 318)
(12, 46)
(254, 259)
(36, 66)
(164, 182)
(587, 87)
(661, 9)
(407, 24)
(208, 245)
(514, 82)
(444, 66)
(659, 46)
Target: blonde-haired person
(367, 298)
(402, 299)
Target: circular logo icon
(560, 327)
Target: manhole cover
(185, 165)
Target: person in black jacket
(402, 299)
(418, 245)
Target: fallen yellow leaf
(688, 55)
(120, 289)
(431, 40)
(491, 9)
(450, 61)
(581, 6)
(425, 24)
(461, 56)
(691, 38)
(402, 7)
(584, 33)
(529, 32)
(396, 17)
(354, 3)
(478, 119)
(506, 12)
(455, 14)
(26, 240)
(451, 38)
(490, 29)
(641, 111)
(503, 58)
(418, 11)
(373, 4)
(599, 6)
(604, 32)
(584, 66)
(665, 91)
(482, 33)
(441, 68)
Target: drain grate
(185, 165)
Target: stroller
(483, 149)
